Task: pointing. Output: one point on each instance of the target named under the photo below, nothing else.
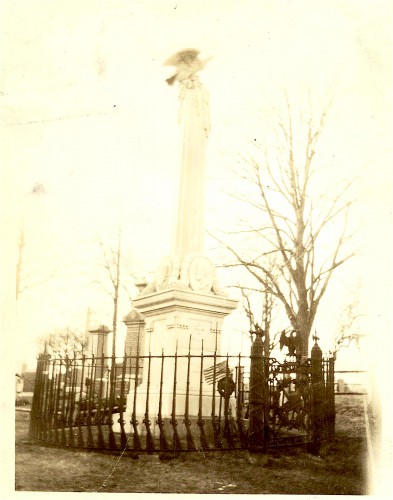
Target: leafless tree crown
(303, 237)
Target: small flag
(221, 372)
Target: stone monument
(185, 305)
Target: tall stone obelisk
(184, 307)
(194, 116)
(185, 285)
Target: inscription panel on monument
(159, 338)
(200, 329)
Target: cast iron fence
(182, 402)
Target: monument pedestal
(173, 316)
(178, 324)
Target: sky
(90, 138)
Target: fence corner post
(258, 430)
(331, 410)
(318, 397)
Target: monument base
(182, 320)
(199, 409)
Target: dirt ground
(341, 469)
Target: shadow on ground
(340, 469)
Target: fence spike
(71, 403)
(50, 414)
(201, 421)
(160, 421)
(176, 444)
(122, 402)
(134, 422)
(63, 436)
(100, 413)
(239, 405)
(146, 420)
(187, 422)
(215, 424)
(227, 395)
(79, 412)
(110, 408)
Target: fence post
(36, 405)
(239, 404)
(318, 397)
(331, 412)
(258, 430)
(187, 422)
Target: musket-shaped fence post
(35, 404)
(239, 405)
(146, 420)
(51, 405)
(89, 402)
(122, 402)
(201, 421)
(176, 440)
(331, 417)
(63, 438)
(56, 379)
(112, 394)
(134, 422)
(228, 387)
(187, 422)
(46, 389)
(71, 401)
(79, 411)
(216, 429)
(160, 421)
(100, 411)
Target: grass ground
(340, 470)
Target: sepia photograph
(196, 247)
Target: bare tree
(116, 286)
(348, 332)
(268, 301)
(266, 314)
(291, 226)
(34, 277)
(19, 263)
(112, 264)
(64, 343)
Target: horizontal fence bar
(350, 371)
(350, 393)
(186, 356)
(158, 356)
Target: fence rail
(187, 402)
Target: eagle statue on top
(187, 64)
(289, 339)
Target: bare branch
(290, 229)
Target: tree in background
(64, 343)
(305, 232)
(34, 275)
(114, 282)
(348, 331)
(269, 306)
(112, 264)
